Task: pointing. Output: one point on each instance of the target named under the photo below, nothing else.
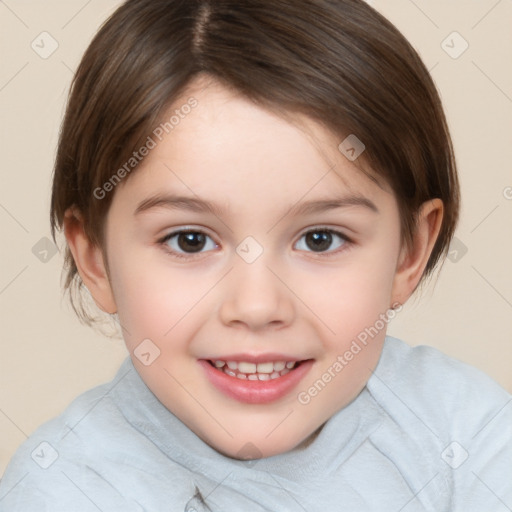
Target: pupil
(191, 242)
(319, 240)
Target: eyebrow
(322, 205)
(178, 202)
(203, 206)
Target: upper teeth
(245, 367)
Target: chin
(262, 445)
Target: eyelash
(346, 242)
(176, 254)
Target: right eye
(187, 242)
(321, 240)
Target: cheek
(151, 297)
(349, 299)
(352, 306)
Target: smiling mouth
(256, 382)
(255, 372)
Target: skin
(255, 165)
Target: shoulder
(55, 466)
(454, 396)
(449, 418)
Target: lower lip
(256, 391)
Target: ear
(413, 260)
(89, 261)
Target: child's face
(257, 289)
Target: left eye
(321, 240)
(189, 242)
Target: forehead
(231, 150)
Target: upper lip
(257, 358)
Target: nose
(255, 297)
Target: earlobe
(413, 260)
(89, 261)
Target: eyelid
(185, 229)
(337, 231)
(315, 229)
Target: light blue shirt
(426, 433)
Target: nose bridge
(255, 296)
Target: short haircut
(339, 62)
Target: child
(254, 189)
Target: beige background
(47, 357)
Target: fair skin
(295, 299)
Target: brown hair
(336, 61)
